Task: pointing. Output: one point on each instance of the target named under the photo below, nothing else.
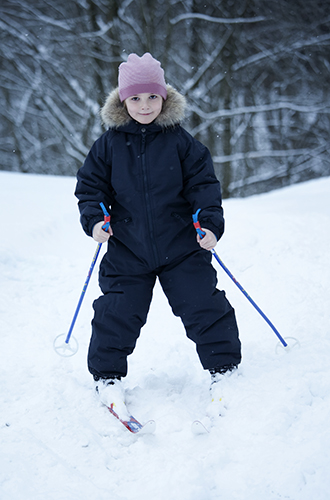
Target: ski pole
(65, 346)
(201, 233)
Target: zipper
(147, 198)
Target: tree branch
(224, 113)
(316, 40)
(268, 154)
(220, 20)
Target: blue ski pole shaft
(201, 234)
(105, 227)
(248, 297)
(97, 251)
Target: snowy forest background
(256, 75)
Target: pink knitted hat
(139, 75)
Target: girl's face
(145, 107)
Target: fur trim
(114, 113)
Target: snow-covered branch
(209, 60)
(223, 113)
(263, 154)
(282, 49)
(219, 20)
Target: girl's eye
(135, 99)
(153, 97)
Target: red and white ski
(134, 425)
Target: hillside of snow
(273, 440)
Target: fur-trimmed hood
(114, 114)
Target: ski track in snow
(273, 441)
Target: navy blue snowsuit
(154, 178)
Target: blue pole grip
(197, 224)
(106, 225)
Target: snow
(273, 441)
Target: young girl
(153, 175)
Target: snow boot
(217, 406)
(112, 394)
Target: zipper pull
(143, 131)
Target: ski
(198, 428)
(134, 425)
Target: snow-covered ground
(273, 441)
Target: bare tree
(255, 75)
(268, 89)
